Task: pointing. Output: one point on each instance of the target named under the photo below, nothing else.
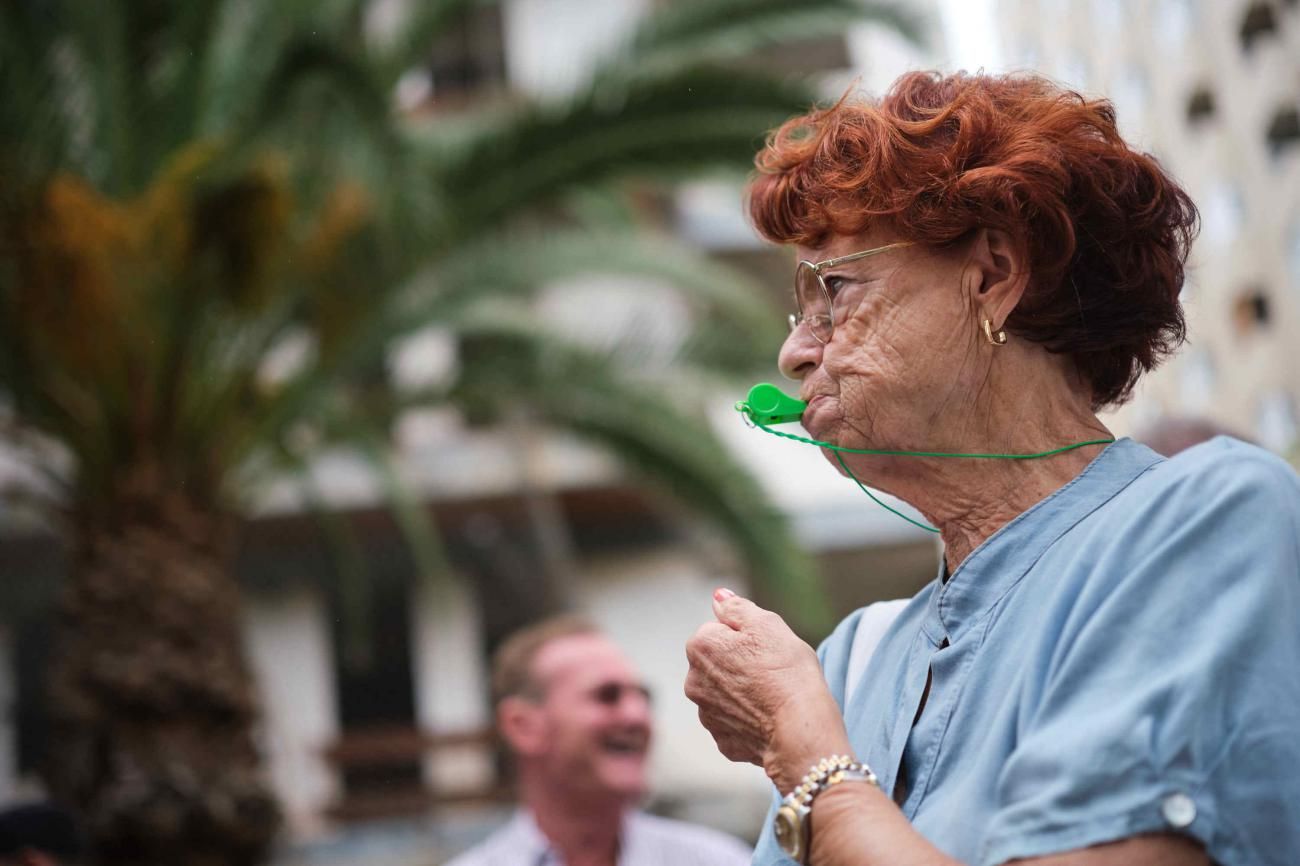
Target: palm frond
(725, 302)
(196, 28)
(695, 120)
(679, 35)
(51, 395)
(215, 401)
(311, 79)
(247, 50)
(34, 130)
(671, 448)
(732, 329)
(96, 52)
(414, 522)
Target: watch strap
(792, 822)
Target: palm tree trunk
(151, 701)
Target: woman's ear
(998, 274)
(522, 724)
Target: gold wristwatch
(792, 825)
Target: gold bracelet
(791, 826)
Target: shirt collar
(536, 849)
(999, 563)
(529, 840)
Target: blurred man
(1172, 434)
(575, 718)
(38, 835)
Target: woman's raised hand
(761, 692)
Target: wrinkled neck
(1033, 410)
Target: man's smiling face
(596, 713)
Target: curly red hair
(1104, 229)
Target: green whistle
(768, 404)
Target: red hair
(1104, 229)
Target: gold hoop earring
(998, 337)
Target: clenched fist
(761, 692)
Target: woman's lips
(811, 407)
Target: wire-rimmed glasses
(812, 298)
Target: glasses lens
(610, 694)
(813, 301)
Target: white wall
(553, 45)
(288, 644)
(451, 680)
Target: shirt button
(1179, 810)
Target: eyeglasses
(813, 299)
(611, 694)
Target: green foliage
(693, 120)
(682, 33)
(187, 186)
(595, 395)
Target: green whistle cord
(889, 453)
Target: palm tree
(187, 186)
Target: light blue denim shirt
(1122, 658)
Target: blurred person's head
(38, 834)
(573, 712)
(1171, 433)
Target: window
(1251, 311)
(471, 54)
(1200, 106)
(467, 58)
(1284, 129)
(1259, 21)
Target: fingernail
(722, 593)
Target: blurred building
(1212, 88)
(374, 689)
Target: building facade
(1212, 89)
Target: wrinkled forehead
(575, 663)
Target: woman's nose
(800, 354)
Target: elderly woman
(1106, 669)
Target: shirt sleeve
(1169, 698)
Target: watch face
(788, 831)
